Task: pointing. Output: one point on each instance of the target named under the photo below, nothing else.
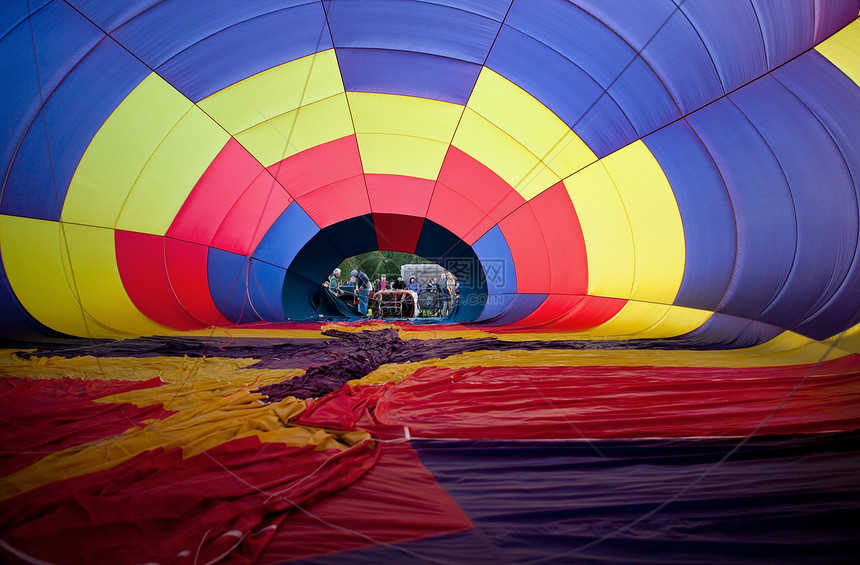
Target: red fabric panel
(141, 263)
(589, 312)
(159, 506)
(336, 202)
(226, 178)
(565, 243)
(189, 278)
(550, 310)
(397, 233)
(604, 402)
(565, 313)
(319, 166)
(486, 189)
(522, 231)
(41, 416)
(397, 500)
(394, 194)
(460, 215)
(252, 215)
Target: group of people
(440, 298)
(358, 286)
(398, 284)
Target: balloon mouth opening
(449, 260)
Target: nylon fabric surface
(651, 209)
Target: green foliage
(376, 263)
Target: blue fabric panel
(787, 28)
(407, 73)
(60, 37)
(285, 238)
(777, 499)
(265, 289)
(30, 189)
(496, 261)
(604, 128)
(562, 87)
(473, 285)
(574, 34)
(15, 323)
(439, 245)
(830, 17)
(245, 49)
(762, 204)
(824, 200)
(446, 249)
(521, 306)
(303, 280)
(352, 237)
(173, 26)
(300, 297)
(498, 265)
(18, 105)
(494, 9)
(494, 306)
(72, 115)
(13, 12)
(729, 332)
(611, 62)
(642, 97)
(658, 30)
(731, 33)
(228, 285)
(109, 14)
(412, 26)
(316, 259)
(710, 237)
(832, 98)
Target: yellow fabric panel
(188, 380)
(290, 133)
(849, 340)
(810, 354)
(171, 173)
(92, 254)
(273, 92)
(533, 125)
(650, 320)
(120, 150)
(606, 229)
(503, 154)
(658, 235)
(401, 155)
(35, 258)
(403, 115)
(841, 49)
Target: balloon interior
(648, 212)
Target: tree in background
(376, 263)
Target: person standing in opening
(413, 285)
(454, 292)
(399, 284)
(446, 295)
(382, 284)
(362, 284)
(334, 282)
(432, 298)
